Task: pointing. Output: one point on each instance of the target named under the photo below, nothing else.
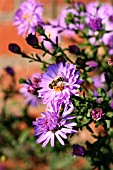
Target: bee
(60, 79)
(51, 85)
(55, 82)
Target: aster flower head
(66, 16)
(95, 23)
(80, 6)
(51, 33)
(97, 114)
(102, 10)
(98, 18)
(110, 45)
(28, 16)
(111, 41)
(108, 41)
(64, 13)
(111, 18)
(29, 90)
(54, 124)
(92, 63)
(111, 104)
(59, 82)
(99, 80)
(78, 150)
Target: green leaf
(52, 59)
(23, 136)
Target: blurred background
(26, 146)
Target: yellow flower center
(27, 17)
(58, 88)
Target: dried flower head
(78, 150)
(97, 113)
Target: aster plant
(76, 84)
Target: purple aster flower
(110, 45)
(95, 93)
(111, 18)
(103, 11)
(79, 6)
(95, 23)
(51, 33)
(97, 114)
(111, 42)
(99, 80)
(67, 29)
(111, 104)
(78, 150)
(53, 124)
(108, 41)
(30, 90)
(59, 82)
(63, 15)
(28, 16)
(92, 63)
(101, 14)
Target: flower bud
(78, 150)
(22, 80)
(81, 6)
(9, 70)
(40, 30)
(32, 40)
(74, 49)
(95, 23)
(60, 59)
(80, 61)
(97, 114)
(14, 48)
(69, 18)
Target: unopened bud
(14, 48)
(74, 49)
(32, 40)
